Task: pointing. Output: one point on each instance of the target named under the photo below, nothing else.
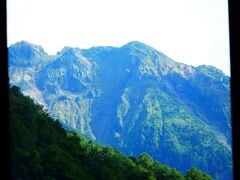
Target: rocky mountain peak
(136, 99)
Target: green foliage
(42, 149)
(195, 174)
(145, 160)
(169, 132)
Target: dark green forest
(42, 149)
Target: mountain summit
(136, 99)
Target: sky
(194, 32)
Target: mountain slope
(136, 99)
(42, 149)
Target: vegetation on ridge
(42, 149)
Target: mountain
(42, 149)
(134, 98)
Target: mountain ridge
(127, 45)
(136, 99)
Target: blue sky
(194, 32)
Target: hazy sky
(190, 31)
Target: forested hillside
(135, 99)
(42, 149)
